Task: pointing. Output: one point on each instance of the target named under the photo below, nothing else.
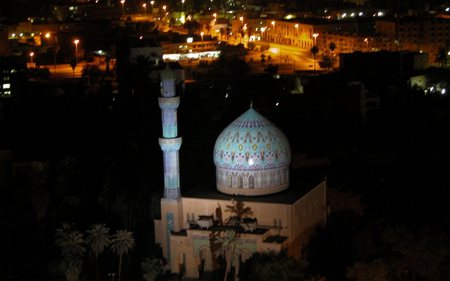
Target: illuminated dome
(252, 157)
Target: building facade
(252, 158)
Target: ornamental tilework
(252, 153)
(251, 142)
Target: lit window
(6, 86)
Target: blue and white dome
(252, 157)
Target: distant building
(383, 63)
(417, 34)
(252, 158)
(12, 76)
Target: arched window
(229, 180)
(239, 181)
(251, 182)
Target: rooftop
(296, 190)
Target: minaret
(170, 142)
(171, 204)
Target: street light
(242, 20)
(315, 38)
(76, 41)
(31, 56)
(145, 9)
(123, 3)
(201, 34)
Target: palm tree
(228, 250)
(122, 242)
(98, 239)
(151, 268)
(240, 212)
(72, 246)
(314, 51)
(332, 47)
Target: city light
(31, 56)
(315, 35)
(76, 41)
(145, 9)
(47, 35)
(123, 3)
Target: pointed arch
(251, 181)
(229, 180)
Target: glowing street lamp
(262, 31)
(315, 35)
(76, 41)
(145, 8)
(273, 23)
(47, 35)
(164, 8)
(201, 34)
(366, 40)
(242, 20)
(31, 56)
(123, 3)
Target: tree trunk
(228, 260)
(237, 265)
(120, 268)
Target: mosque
(252, 158)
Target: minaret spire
(170, 142)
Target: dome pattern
(252, 157)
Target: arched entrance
(204, 260)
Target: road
(288, 58)
(65, 71)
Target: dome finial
(251, 103)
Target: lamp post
(315, 35)
(76, 41)
(201, 34)
(123, 3)
(274, 34)
(31, 56)
(145, 8)
(262, 32)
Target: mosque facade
(252, 158)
